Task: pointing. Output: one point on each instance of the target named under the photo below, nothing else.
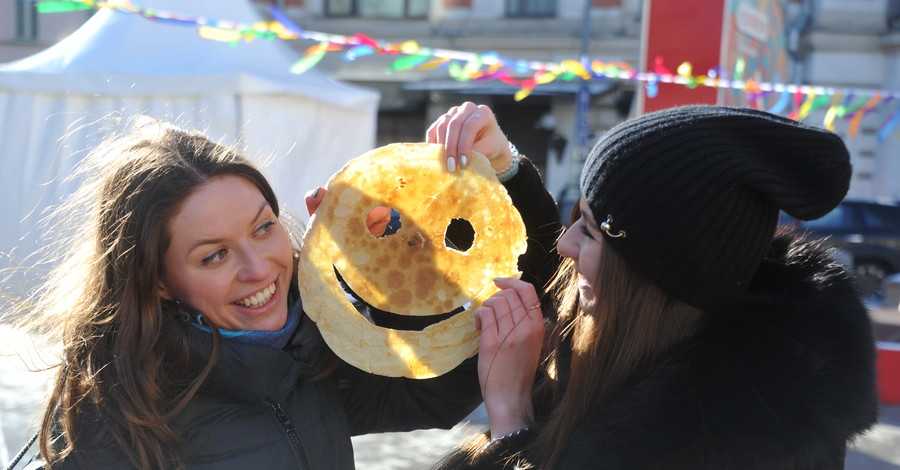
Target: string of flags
(793, 100)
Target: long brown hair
(121, 357)
(629, 328)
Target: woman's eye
(215, 257)
(266, 227)
(586, 232)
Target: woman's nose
(255, 266)
(567, 246)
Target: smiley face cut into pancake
(411, 271)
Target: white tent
(54, 105)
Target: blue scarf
(273, 339)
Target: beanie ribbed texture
(697, 190)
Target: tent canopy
(125, 54)
(59, 103)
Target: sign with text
(728, 39)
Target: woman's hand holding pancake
(461, 130)
(469, 127)
(512, 333)
(376, 221)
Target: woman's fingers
(511, 315)
(313, 199)
(509, 351)
(437, 132)
(464, 125)
(501, 315)
(377, 220)
(520, 293)
(467, 128)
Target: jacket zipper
(293, 436)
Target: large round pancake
(410, 272)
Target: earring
(607, 227)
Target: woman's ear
(163, 291)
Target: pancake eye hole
(383, 221)
(460, 235)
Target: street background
(21, 392)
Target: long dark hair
(598, 353)
(593, 355)
(121, 356)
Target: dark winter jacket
(780, 380)
(259, 410)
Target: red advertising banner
(737, 39)
(753, 48)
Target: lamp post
(582, 124)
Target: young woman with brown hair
(184, 340)
(691, 334)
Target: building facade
(832, 43)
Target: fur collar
(781, 379)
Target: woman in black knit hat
(688, 332)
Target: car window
(882, 217)
(872, 219)
(837, 218)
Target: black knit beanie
(690, 195)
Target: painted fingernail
(451, 164)
(315, 194)
(463, 162)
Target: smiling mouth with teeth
(260, 298)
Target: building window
(893, 16)
(281, 4)
(26, 21)
(531, 8)
(377, 8)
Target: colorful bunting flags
(798, 101)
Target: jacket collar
(784, 375)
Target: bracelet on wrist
(505, 436)
(513, 168)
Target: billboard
(729, 39)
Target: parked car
(870, 232)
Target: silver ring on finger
(537, 305)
